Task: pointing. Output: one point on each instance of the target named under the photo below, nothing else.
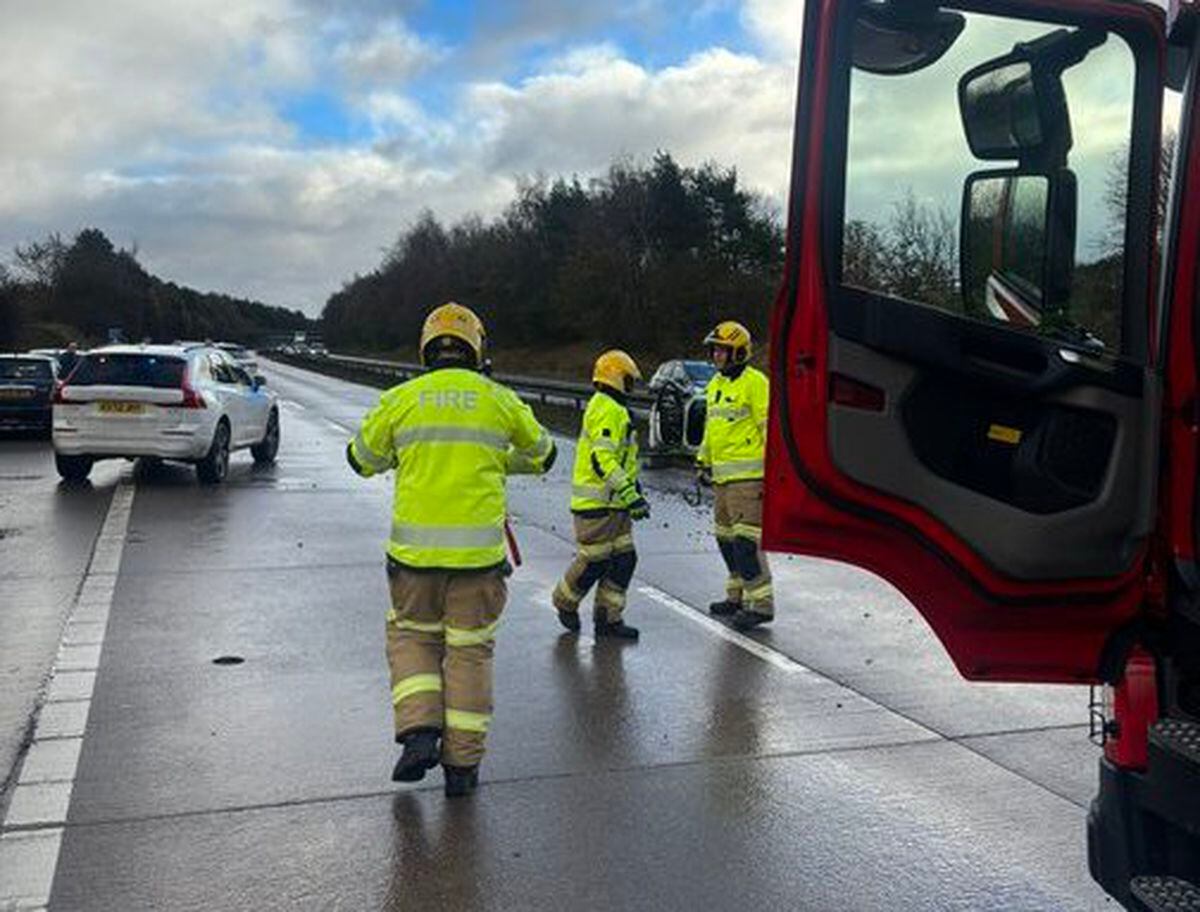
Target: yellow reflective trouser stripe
(759, 592)
(436, 433)
(738, 467)
(623, 542)
(610, 595)
(600, 551)
(366, 456)
(467, 721)
(745, 530)
(419, 626)
(422, 683)
(567, 590)
(447, 536)
(477, 636)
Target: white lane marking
(32, 830)
(750, 645)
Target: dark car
(677, 414)
(26, 392)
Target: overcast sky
(273, 148)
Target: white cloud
(390, 53)
(776, 24)
(717, 105)
(160, 124)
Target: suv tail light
(191, 397)
(56, 398)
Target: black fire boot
(421, 752)
(724, 608)
(745, 620)
(570, 620)
(616, 629)
(461, 780)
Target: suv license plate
(121, 408)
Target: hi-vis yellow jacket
(606, 457)
(452, 436)
(735, 426)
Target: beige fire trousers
(738, 525)
(440, 637)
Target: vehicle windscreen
(153, 371)
(699, 371)
(25, 369)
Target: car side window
(221, 370)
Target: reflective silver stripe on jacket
(436, 433)
(727, 411)
(367, 456)
(597, 493)
(541, 449)
(740, 467)
(448, 536)
(603, 443)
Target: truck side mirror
(1015, 108)
(1017, 246)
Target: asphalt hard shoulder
(834, 760)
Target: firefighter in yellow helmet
(731, 458)
(451, 436)
(605, 499)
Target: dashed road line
(32, 830)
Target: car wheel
(73, 468)
(213, 468)
(264, 451)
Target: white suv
(189, 403)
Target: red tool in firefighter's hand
(513, 548)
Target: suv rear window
(24, 369)
(130, 370)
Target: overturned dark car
(677, 413)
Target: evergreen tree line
(56, 292)
(647, 257)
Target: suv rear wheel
(264, 451)
(73, 468)
(213, 468)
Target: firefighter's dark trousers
(440, 636)
(738, 526)
(604, 558)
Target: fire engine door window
(915, 222)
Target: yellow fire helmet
(616, 369)
(734, 336)
(457, 322)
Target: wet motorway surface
(833, 761)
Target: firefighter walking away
(451, 436)
(731, 458)
(605, 499)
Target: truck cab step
(1173, 783)
(1164, 894)
(1179, 737)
